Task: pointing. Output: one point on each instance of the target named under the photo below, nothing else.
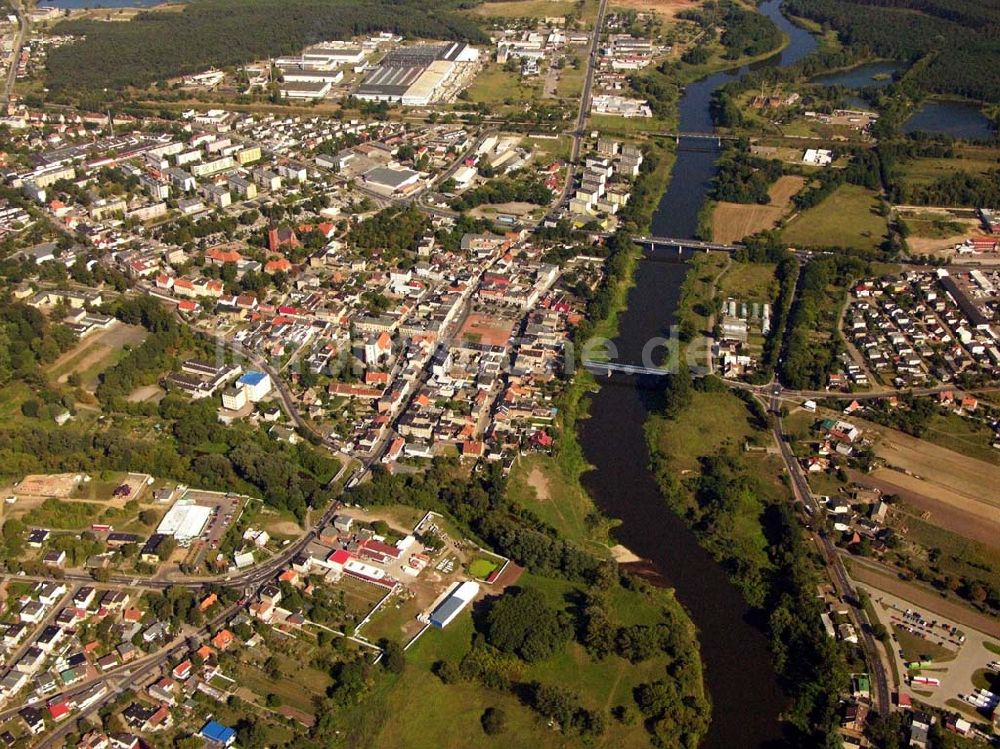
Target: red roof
(340, 556)
(59, 710)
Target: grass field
(972, 160)
(447, 716)
(847, 218)
(667, 8)
(918, 649)
(971, 438)
(551, 149)
(696, 432)
(481, 567)
(494, 85)
(749, 282)
(538, 483)
(731, 222)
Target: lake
(877, 74)
(955, 118)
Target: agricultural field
(969, 437)
(847, 218)
(949, 475)
(949, 552)
(525, 8)
(731, 222)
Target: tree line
(219, 33)
(806, 364)
(756, 538)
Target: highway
(882, 698)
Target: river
(746, 696)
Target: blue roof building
(252, 378)
(217, 733)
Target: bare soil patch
(666, 8)
(732, 222)
(538, 481)
(86, 357)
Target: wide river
(747, 699)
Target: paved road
(882, 698)
(584, 110)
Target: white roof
(185, 520)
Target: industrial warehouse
(418, 75)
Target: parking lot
(948, 681)
(226, 509)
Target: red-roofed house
(278, 265)
(59, 710)
(223, 639)
(182, 670)
(222, 255)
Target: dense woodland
(806, 364)
(742, 177)
(216, 33)
(962, 37)
(392, 230)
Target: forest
(806, 365)
(743, 178)
(962, 38)
(216, 33)
(521, 190)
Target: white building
(184, 521)
(256, 384)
